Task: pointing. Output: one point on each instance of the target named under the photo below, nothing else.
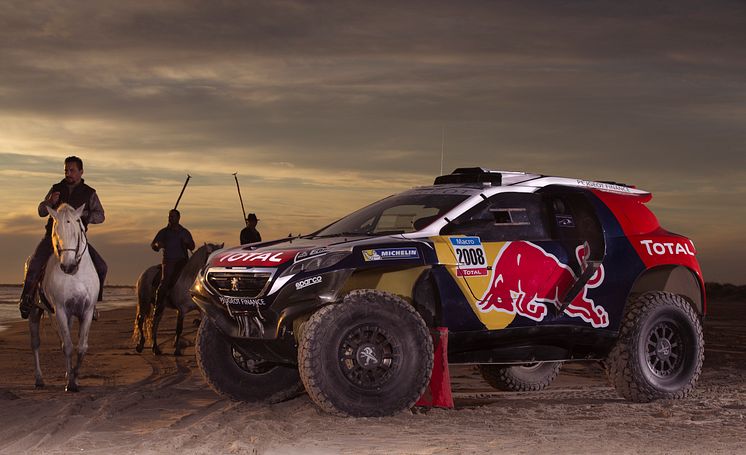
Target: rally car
(524, 271)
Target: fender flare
(673, 278)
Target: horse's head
(68, 237)
(210, 247)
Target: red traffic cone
(438, 392)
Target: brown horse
(178, 298)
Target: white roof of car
(512, 181)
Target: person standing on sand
(249, 234)
(73, 191)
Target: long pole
(238, 187)
(182, 190)
(442, 149)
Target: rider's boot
(33, 274)
(30, 283)
(26, 304)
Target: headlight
(316, 263)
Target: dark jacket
(81, 194)
(250, 235)
(175, 243)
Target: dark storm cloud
(582, 79)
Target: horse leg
(85, 327)
(157, 315)
(179, 328)
(33, 322)
(139, 322)
(64, 323)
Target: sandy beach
(139, 403)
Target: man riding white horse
(73, 191)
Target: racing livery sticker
(241, 301)
(520, 285)
(684, 246)
(241, 258)
(524, 280)
(654, 245)
(382, 254)
(470, 256)
(307, 282)
(305, 254)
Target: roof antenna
(442, 149)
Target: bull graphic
(526, 279)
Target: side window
(405, 218)
(503, 217)
(574, 222)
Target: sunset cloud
(322, 107)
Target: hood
(276, 253)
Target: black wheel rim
(253, 365)
(369, 356)
(665, 349)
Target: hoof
(71, 388)
(39, 385)
(157, 350)
(139, 347)
(178, 353)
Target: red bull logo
(526, 279)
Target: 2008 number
(470, 256)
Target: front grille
(239, 283)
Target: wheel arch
(413, 284)
(426, 299)
(676, 279)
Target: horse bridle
(77, 246)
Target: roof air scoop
(470, 175)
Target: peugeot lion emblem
(234, 284)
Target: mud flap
(438, 392)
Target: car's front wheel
(660, 350)
(370, 355)
(239, 374)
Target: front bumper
(273, 319)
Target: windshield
(399, 214)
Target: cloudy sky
(322, 107)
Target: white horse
(71, 287)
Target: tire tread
(624, 373)
(309, 349)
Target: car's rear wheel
(370, 355)
(240, 374)
(520, 378)
(660, 349)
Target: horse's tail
(145, 289)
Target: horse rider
(249, 234)
(73, 191)
(175, 240)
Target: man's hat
(251, 217)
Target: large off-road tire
(370, 355)
(520, 378)
(230, 373)
(660, 349)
